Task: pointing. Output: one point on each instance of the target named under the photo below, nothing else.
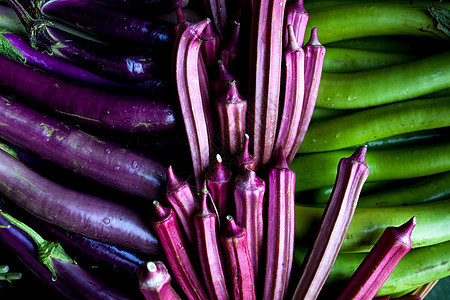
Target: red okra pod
(266, 48)
(379, 263)
(297, 16)
(217, 11)
(218, 181)
(290, 123)
(209, 252)
(165, 223)
(229, 55)
(239, 266)
(220, 84)
(351, 175)
(280, 228)
(245, 160)
(231, 109)
(154, 282)
(211, 46)
(182, 200)
(314, 55)
(187, 70)
(248, 196)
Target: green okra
(419, 266)
(319, 169)
(368, 224)
(362, 127)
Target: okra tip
(359, 155)
(314, 38)
(281, 163)
(150, 275)
(231, 228)
(160, 212)
(403, 232)
(173, 182)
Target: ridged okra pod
(244, 160)
(297, 16)
(351, 175)
(189, 87)
(229, 55)
(218, 182)
(231, 109)
(280, 229)
(209, 251)
(289, 137)
(379, 263)
(182, 200)
(239, 266)
(314, 56)
(154, 282)
(249, 201)
(266, 48)
(210, 47)
(165, 223)
(217, 11)
(220, 83)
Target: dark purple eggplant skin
(19, 243)
(84, 103)
(71, 70)
(99, 160)
(147, 5)
(91, 216)
(111, 23)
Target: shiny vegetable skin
(83, 103)
(148, 5)
(17, 241)
(318, 169)
(371, 124)
(73, 149)
(368, 224)
(385, 85)
(112, 23)
(418, 266)
(91, 216)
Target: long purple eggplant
(89, 156)
(111, 23)
(88, 215)
(19, 243)
(18, 47)
(84, 103)
(63, 268)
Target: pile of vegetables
(225, 149)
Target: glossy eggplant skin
(84, 103)
(19, 243)
(111, 23)
(94, 217)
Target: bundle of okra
(216, 150)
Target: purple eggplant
(19, 243)
(84, 103)
(148, 5)
(88, 215)
(89, 156)
(19, 48)
(51, 258)
(111, 23)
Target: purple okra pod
(314, 56)
(217, 11)
(213, 269)
(379, 263)
(189, 87)
(351, 175)
(290, 123)
(230, 53)
(239, 266)
(231, 109)
(210, 46)
(154, 282)
(248, 196)
(280, 228)
(220, 83)
(182, 200)
(165, 223)
(244, 160)
(298, 17)
(218, 181)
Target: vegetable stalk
(218, 181)
(154, 282)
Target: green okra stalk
(334, 223)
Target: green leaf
(8, 49)
(442, 17)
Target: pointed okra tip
(359, 155)
(231, 229)
(159, 212)
(314, 38)
(152, 274)
(281, 162)
(404, 231)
